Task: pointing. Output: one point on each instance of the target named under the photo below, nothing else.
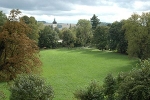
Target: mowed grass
(67, 70)
(70, 69)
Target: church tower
(54, 23)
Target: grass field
(70, 69)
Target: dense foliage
(138, 35)
(109, 87)
(83, 32)
(3, 19)
(93, 92)
(135, 84)
(18, 53)
(117, 40)
(68, 38)
(100, 37)
(30, 87)
(2, 95)
(32, 23)
(95, 21)
(48, 38)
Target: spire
(54, 22)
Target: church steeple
(54, 22)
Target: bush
(136, 84)
(2, 95)
(30, 87)
(109, 87)
(93, 92)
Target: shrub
(93, 92)
(2, 95)
(30, 87)
(109, 87)
(135, 84)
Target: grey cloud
(62, 5)
(65, 7)
(36, 5)
(58, 5)
(128, 4)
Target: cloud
(71, 11)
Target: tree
(48, 38)
(95, 21)
(19, 54)
(100, 37)
(117, 39)
(3, 19)
(33, 24)
(83, 32)
(138, 35)
(68, 38)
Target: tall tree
(83, 32)
(95, 21)
(33, 24)
(19, 53)
(48, 38)
(138, 35)
(68, 38)
(100, 37)
(117, 39)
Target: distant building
(60, 25)
(54, 23)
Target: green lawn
(70, 69)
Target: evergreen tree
(95, 21)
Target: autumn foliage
(18, 53)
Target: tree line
(129, 36)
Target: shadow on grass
(97, 53)
(106, 54)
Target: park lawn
(70, 69)
(67, 70)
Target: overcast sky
(70, 11)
